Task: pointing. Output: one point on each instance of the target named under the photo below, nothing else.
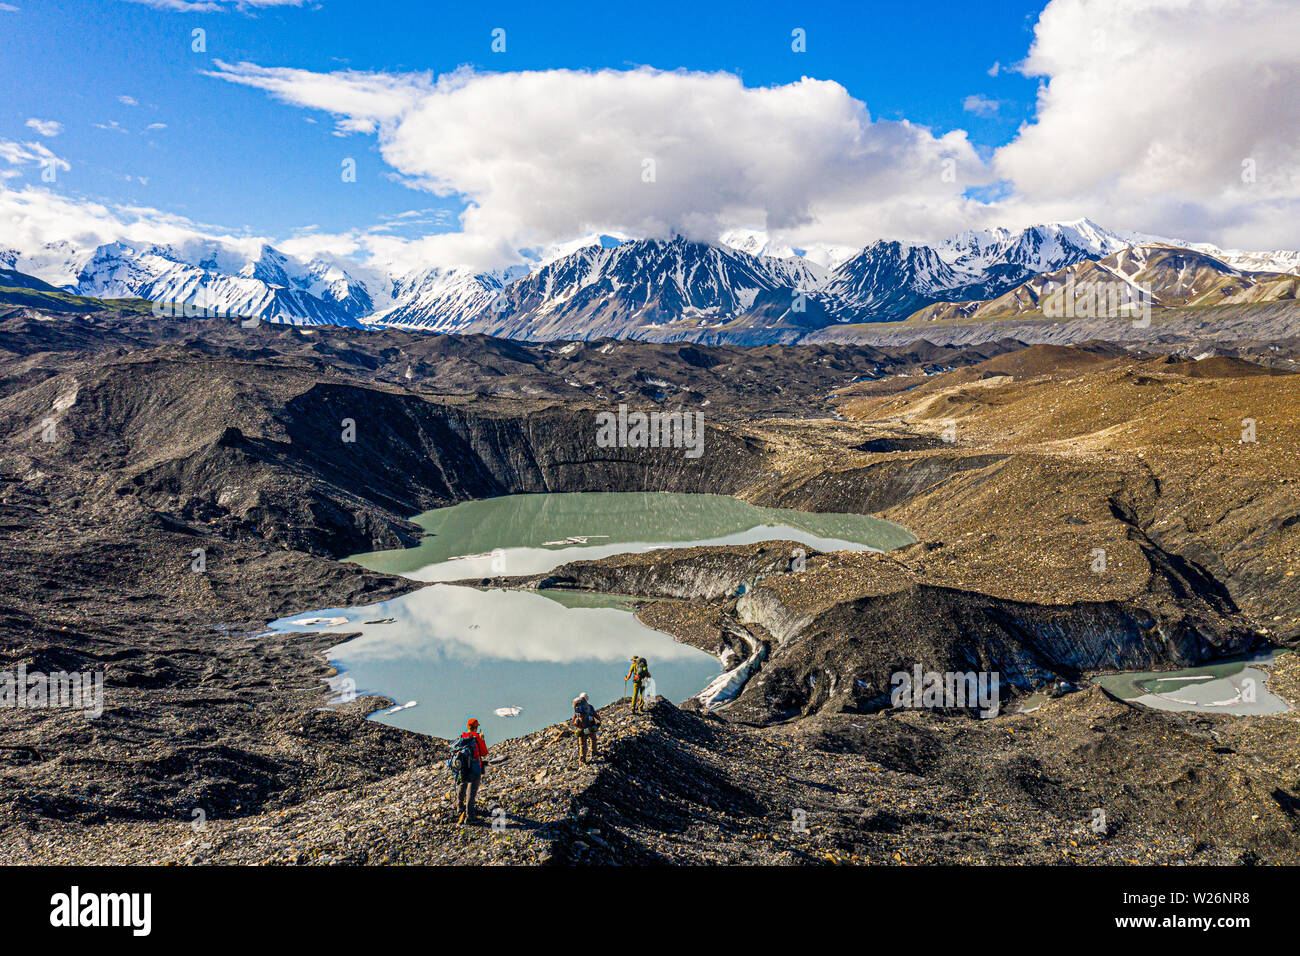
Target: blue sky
(1140, 114)
(238, 159)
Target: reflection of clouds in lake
(470, 626)
(459, 650)
(538, 560)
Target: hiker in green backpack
(638, 674)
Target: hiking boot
(460, 821)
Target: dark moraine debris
(182, 436)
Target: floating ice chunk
(575, 539)
(407, 706)
(319, 621)
(512, 711)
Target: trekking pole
(624, 686)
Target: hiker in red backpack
(585, 722)
(469, 756)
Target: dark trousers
(465, 795)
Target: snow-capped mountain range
(743, 288)
(218, 279)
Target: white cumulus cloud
(1172, 116)
(542, 156)
(45, 127)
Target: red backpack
(584, 715)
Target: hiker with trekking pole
(638, 673)
(467, 760)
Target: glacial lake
(1236, 686)
(455, 651)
